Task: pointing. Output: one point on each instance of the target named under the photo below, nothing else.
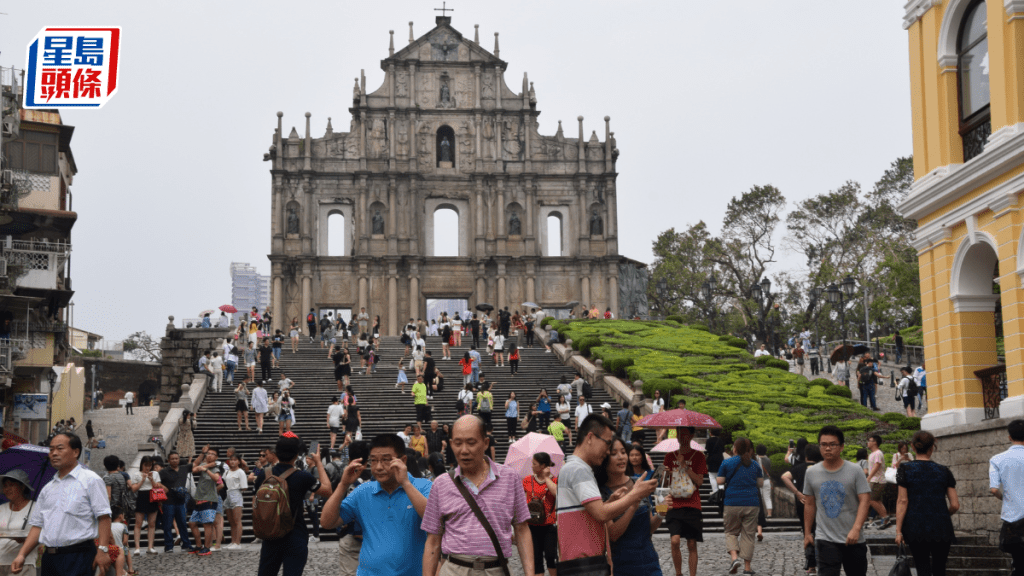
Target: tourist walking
(446, 338)
(684, 475)
(266, 355)
(876, 479)
(80, 533)
(278, 341)
(353, 419)
(242, 405)
(560, 432)
(259, 406)
(543, 409)
(142, 483)
(175, 479)
(835, 527)
(742, 478)
(513, 359)
(216, 366)
(924, 487)
(485, 402)
(467, 368)
(798, 355)
(793, 479)
(284, 415)
(464, 403)
(231, 364)
(419, 400)
(1006, 482)
(311, 325)
(18, 508)
(907, 390)
(841, 373)
(129, 401)
(474, 330)
(766, 488)
(250, 363)
(511, 415)
(867, 381)
(293, 334)
(541, 488)
(583, 409)
(633, 551)
(292, 551)
(455, 528)
(475, 357)
(562, 407)
(335, 415)
(581, 547)
(499, 350)
(235, 481)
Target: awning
(53, 298)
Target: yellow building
(967, 97)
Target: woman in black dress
(924, 487)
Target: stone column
(414, 290)
(392, 133)
(362, 140)
(527, 126)
(307, 294)
(585, 290)
(392, 301)
(392, 231)
(531, 272)
(497, 138)
(501, 285)
(476, 78)
(277, 299)
(363, 286)
(582, 153)
(499, 80)
(613, 287)
(412, 86)
(391, 82)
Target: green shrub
(730, 423)
(762, 360)
(779, 465)
(724, 338)
(837, 390)
(700, 327)
(547, 320)
(737, 343)
(820, 382)
(676, 318)
(894, 418)
(912, 424)
(776, 363)
(618, 366)
(585, 345)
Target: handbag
(890, 475)
(682, 485)
(902, 565)
(157, 495)
(482, 519)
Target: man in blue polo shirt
(389, 509)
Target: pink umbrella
(672, 444)
(520, 453)
(228, 308)
(678, 418)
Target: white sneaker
(151, 551)
(138, 552)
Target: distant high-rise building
(248, 288)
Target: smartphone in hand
(314, 448)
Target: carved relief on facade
(446, 91)
(488, 133)
(487, 91)
(425, 146)
(463, 53)
(425, 92)
(319, 149)
(570, 150)
(336, 288)
(595, 152)
(556, 290)
(377, 139)
(464, 90)
(448, 284)
(511, 139)
(402, 84)
(465, 138)
(402, 137)
(444, 47)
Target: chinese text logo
(72, 67)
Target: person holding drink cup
(685, 471)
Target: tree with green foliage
(142, 346)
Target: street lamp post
(51, 377)
(761, 293)
(708, 291)
(839, 295)
(661, 288)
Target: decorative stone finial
(607, 118)
(391, 45)
(171, 318)
(410, 32)
(308, 114)
(476, 34)
(496, 51)
(279, 114)
(580, 118)
(330, 129)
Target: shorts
(284, 417)
(234, 500)
(687, 523)
(877, 491)
(240, 406)
(908, 402)
(294, 334)
(419, 365)
(206, 516)
(250, 364)
(335, 429)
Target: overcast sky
(706, 100)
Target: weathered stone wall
(966, 450)
(180, 349)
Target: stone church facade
(444, 131)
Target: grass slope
(717, 376)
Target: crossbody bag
(482, 519)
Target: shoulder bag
(482, 519)
(718, 497)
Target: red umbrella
(678, 418)
(228, 308)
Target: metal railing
(18, 326)
(10, 350)
(912, 355)
(993, 389)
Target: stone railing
(594, 373)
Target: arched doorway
(446, 231)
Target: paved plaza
(779, 555)
(122, 433)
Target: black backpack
(588, 390)
(911, 387)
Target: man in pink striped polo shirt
(497, 489)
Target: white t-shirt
(9, 519)
(562, 408)
(658, 405)
(404, 438)
(335, 413)
(285, 384)
(146, 485)
(129, 398)
(117, 533)
(235, 480)
(456, 324)
(582, 411)
(760, 352)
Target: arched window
(973, 80)
(445, 145)
(336, 234)
(554, 235)
(446, 232)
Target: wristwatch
(103, 549)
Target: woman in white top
(466, 396)
(562, 407)
(260, 405)
(658, 405)
(499, 349)
(457, 329)
(234, 481)
(14, 516)
(841, 373)
(143, 481)
(294, 334)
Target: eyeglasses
(829, 445)
(607, 442)
(383, 461)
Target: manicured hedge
(758, 398)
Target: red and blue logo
(72, 67)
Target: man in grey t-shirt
(837, 499)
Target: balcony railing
(18, 326)
(11, 349)
(993, 389)
(39, 261)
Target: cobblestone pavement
(780, 554)
(885, 397)
(122, 433)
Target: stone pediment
(445, 44)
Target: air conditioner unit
(3, 267)
(8, 177)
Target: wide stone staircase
(384, 408)
(970, 556)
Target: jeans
(899, 356)
(627, 434)
(314, 514)
(128, 408)
(529, 337)
(545, 545)
(175, 513)
(277, 353)
(230, 376)
(290, 552)
(831, 556)
(474, 376)
(543, 419)
(867, 393)
(930, 557)
(476, 339)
